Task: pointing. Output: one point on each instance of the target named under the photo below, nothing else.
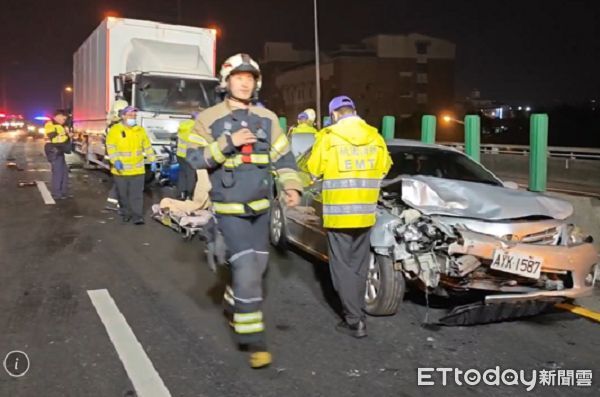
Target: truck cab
(164, 100)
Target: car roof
(418, 144)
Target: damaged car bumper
(566, 271)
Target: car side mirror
(510, 185)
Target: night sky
(538, 52)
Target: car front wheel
(385, 287)
(277, 232)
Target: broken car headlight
(576, 236)
(593, 277)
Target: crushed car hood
(437, 196)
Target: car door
(305, 222)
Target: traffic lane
(43, 310)
(194, 353)
(170, 300)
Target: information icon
(16, 363)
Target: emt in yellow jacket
(352, 158)
(129, 149)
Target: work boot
(358, 330)
(139, 221)
(260, 359)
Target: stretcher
(191, 219)
(188, 224)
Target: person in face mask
(129, 149)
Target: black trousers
(131, 195)
(349, 251)
(247, 241)
(186, 180)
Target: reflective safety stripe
(198, 140)
(236, 161)
(280, 147)
(127, 154)
(216, 153)
(239, 208)
(133, 166)
(348, 209)
(249, 328)
(351, 183)
(228, 208)
(247, 318)
(259, 205)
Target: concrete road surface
(102, 308)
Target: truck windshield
(174, 95)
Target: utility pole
(317, 65)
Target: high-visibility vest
(61, 136)
(352, 158)
(131, 146)
(184, 134)
(303, 128)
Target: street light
(448, 119)
(68, 89)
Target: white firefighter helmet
(114, 115)
(236, 64)
(307, 115)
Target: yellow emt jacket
(352, 158)
(55, 133)
(302, 128)
(130, 145)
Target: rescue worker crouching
(352, 158)
(58, 143)
(241, 145)
(186, 180)
(128, 147)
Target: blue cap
(340, 102)
(303, 116)
(128, 109)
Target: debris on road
(13, 165)
(26, 184)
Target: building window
(406, 74)
(421, 59)
(422, 78)
(421, 47)
(421, 99)
(406, 94)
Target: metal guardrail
(571, 153)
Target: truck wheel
(385, 287)
(277, 229)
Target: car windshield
(438, 163)
(174, 95)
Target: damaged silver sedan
(449, 227)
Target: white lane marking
(41, 185)
(139, 368)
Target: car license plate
(523, 265)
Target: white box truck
(166, 71)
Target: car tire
(277, 226)
(385, 287)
